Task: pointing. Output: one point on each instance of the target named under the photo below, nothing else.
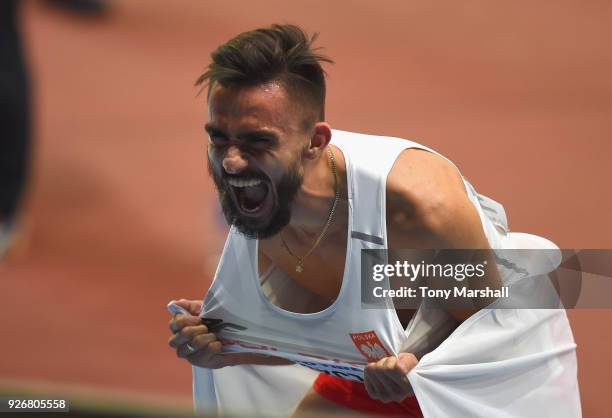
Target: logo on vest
(369, 345)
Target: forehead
(265, 105)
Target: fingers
(191, 338)
(375, 388)
(186, 350)
(173, 326)
(406, 362)
(194, 307)
(178, 322)
(396, 372)
(209, 356)
(387, 381)
(203, 340)
(206, 343)
(384, 385)
(187, 334)
(215, 347)
(207, 351)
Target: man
(303, 201)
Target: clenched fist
(387, 380)
(193, 342)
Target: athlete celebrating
(303, 201)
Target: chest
(322, 271)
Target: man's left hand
(387, 380)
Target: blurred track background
(121, 217)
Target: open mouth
(251, 195)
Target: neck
(313, 203)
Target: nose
(234, 162)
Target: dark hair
(281, 53)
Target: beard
(280, 215)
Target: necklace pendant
(299, 267)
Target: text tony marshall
(456, 292)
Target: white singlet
(244, 309)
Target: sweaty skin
(259, 130)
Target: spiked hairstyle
(279, 53)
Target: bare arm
(428, 208)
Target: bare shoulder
(428, 208)
(421, 175)
(427, 204)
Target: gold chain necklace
(299, 266)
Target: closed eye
(218, 139)
(216, 135)
(259, 140)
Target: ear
(321, 135)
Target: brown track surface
(121, 216)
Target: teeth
(243, 182)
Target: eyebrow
(246, 134)
(211, 129)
